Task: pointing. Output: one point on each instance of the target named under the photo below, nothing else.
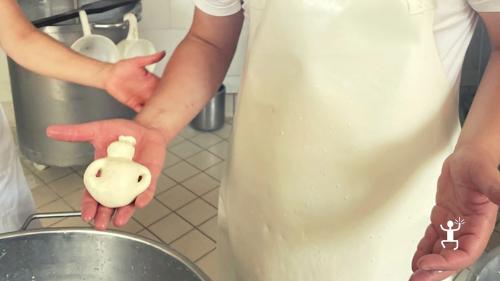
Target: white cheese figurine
(116, 180)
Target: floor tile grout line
(216, 207)
(181, 141)
(171, 164)
(185, 234)
(210, 190)
(188, 178)
(55, 179)
(182, 206)
(199, 196)
(200, 258)
(36, 176)
(147, 226)
(178, 238)
(196, 196)
(207, 152)
(182, 235)
(180, 158)
(50, 202)
(190, 140)
(159, 239)
(186, 219)
(203, 149)
(182, 185)
(199, 229)
(210, 145)
(155, 221)
(191, 177)
(193, 228)
(200, 171)
(194, 175)
(169, 188)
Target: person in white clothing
(347, 112)
(127, 81)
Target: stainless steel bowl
(71, 254)
(487, 268)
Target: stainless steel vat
(71, 254)
(40, 101)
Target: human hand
(129, 82)
(149, 151)
(469, 188)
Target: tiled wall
(165, 23)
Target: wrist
(486, 145)
(103, 75)
(151, 119)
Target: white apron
(16, 202)
(342, 126)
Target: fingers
(151, 59)
(136, 102)
(123, 215)
(425, 246)
(88, 207)
(73, 133)
(144, 198)
(103, 217)
(447, 260)
(423, 275)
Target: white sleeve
(219, 8)
(485, 5)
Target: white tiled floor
(184, 211)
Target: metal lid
(37, 9)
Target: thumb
(151, 59)
(487, 181)
(73, 133)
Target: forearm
(40, 53)
(482, 125)
(191, 78)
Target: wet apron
(343, 123)
(16, 202)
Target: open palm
(469, 187)
(150, 152)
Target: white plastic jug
(132, 46)
(95, 46)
